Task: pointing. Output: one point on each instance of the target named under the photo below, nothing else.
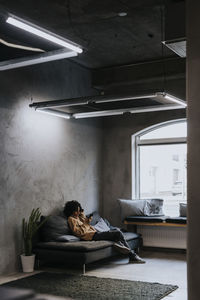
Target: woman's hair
(71, 207)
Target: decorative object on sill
(90, 287)
(29, 229)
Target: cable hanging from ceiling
(20, 46)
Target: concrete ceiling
(107, 39)
(121, 42)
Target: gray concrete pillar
(193, 99)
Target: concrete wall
(45, 161)
(193, 98)
(117, 156)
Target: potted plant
(29, 229)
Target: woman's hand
(81, 209)
(90, 217)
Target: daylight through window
(160, 165)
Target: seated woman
(80, 226)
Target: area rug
(92, 288)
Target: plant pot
(28, 263)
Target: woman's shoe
(135, 259)
(121, 248)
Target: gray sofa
(56, 244)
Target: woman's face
(77, 212)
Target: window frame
(135, 150)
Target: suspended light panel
(161, 97)
(43, 33)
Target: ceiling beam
(107, 78)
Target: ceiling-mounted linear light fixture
(59, 103)
(158, 96)
(36, 59)
(88, 100)
(136, 110)
(104, 113)
(174, 99)
(166, 101)
(55, 113)
(123, 98)
(95, 114)
(27, 26)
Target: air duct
(175, 34)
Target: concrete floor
(168, 268)
(162, 267)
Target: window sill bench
(163, 221)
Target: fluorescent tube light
(121, 111)
(160, 97)
(36, 59)
(42, 33)
(175, 100)
(154, 108)
(59, 103)
(88, 100)
(115, 99)
(97, 114)
(54, 112)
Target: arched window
(159, 164)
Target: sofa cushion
(68, 238)
(146, 219)
(142, 207)
(53, 228)
(178, 220)
(101, 226)
(95, 218)
(131, 235)
(82, 246)
(131, 207)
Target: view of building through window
(162, 166)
